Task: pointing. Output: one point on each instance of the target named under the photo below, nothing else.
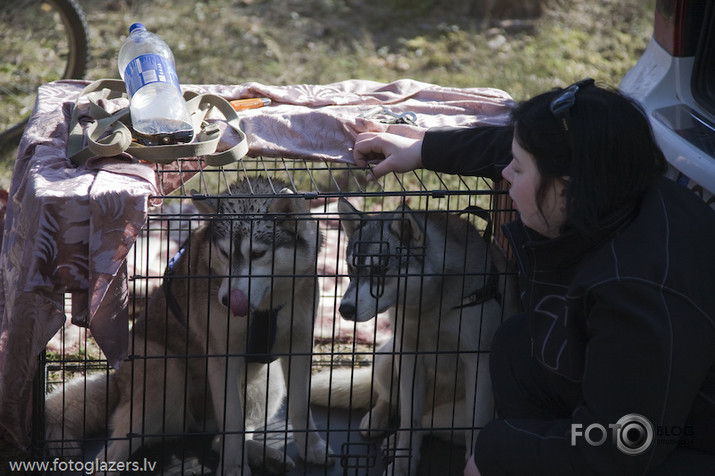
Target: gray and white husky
(242, 291)
(430, 271)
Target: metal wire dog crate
(337, 343)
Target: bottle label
(146, 69)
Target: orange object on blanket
(250, 103)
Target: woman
(611, 369)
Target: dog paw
(370, 434)
(268, 459)
(319, 452)
(375, 422)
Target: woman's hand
(389, 153)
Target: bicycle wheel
(40, 41)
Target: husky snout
(359, 305)
(347, 310)
(237, 301)
(234, 299)
(348, 306)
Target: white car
(674, 81)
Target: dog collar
(168, 291)
(262, 336)
(489, 291)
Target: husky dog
(430, 270)
(241, 292)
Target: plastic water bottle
(157, 107)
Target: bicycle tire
(75, 21)
(76, 57)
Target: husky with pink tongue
(233, 325)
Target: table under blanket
(69, 229)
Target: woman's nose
(506, 173)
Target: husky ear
(286, 202)
(351, 215)
(406, 227)
(205, 206)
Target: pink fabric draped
(68, 229)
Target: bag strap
(109, 134)
(108, 89)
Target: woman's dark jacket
(629, 314)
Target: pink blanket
(68, 230)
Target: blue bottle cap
(136, 26)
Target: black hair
(609, 153)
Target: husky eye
(256, 254)
(222, 251)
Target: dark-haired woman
(611, 368)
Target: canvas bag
(110, 134)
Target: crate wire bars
(338, 343)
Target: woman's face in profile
(524, 179)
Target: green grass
(323, 41)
